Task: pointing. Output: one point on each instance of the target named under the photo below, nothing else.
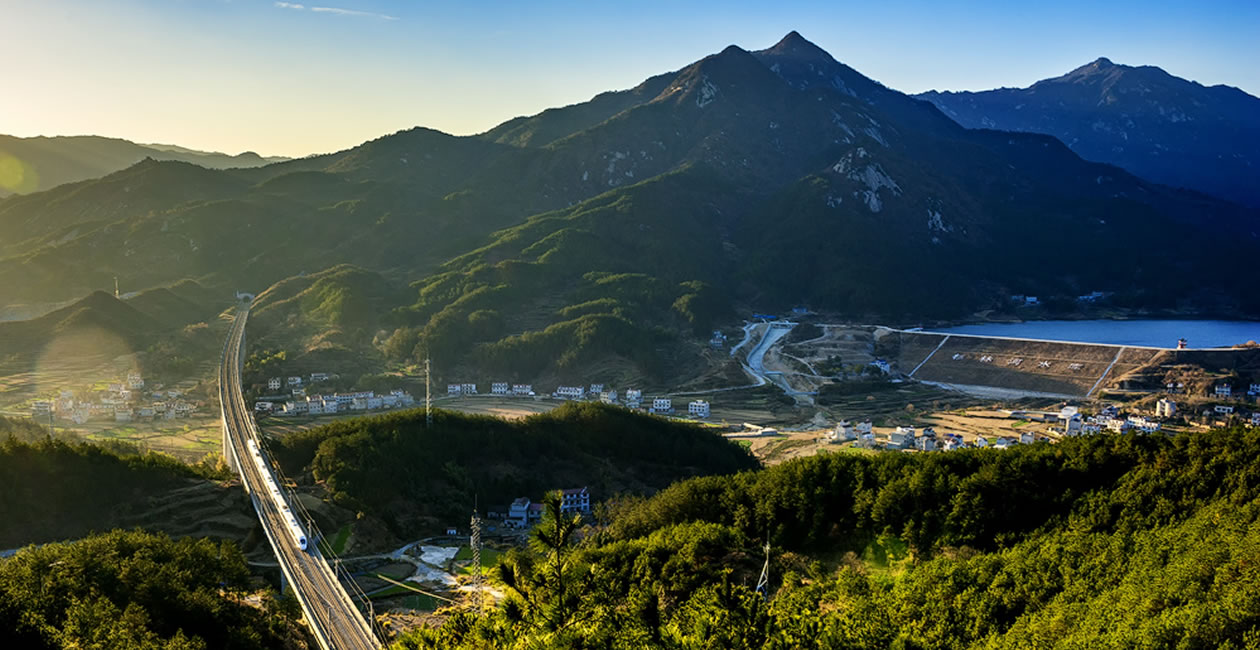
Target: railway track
(329, 611)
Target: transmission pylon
(475, 527)
(764, 580)
(428, 397)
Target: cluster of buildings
(1226, 391)
(523, 513)
(124, 401)
(633, 397)
(908, 437)
(296, 384)
(311, 405)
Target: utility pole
(428, 397)
(115, 286)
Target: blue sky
(306, 77)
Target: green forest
(419, 480)
(54, 489)
(1097, 542)
(139, 591)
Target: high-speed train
(291, 522)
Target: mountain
(1153, 124)
(41, 163)
(97, 323)
(600, 239)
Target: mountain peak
(797, 46)
(1102, 62)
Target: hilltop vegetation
(419, 479)
(1104, 541)
(142, 591)
(52, 489)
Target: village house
(453, 389)
(146, 412)
(317, 377)
(135, 381)
(1253, 390)
(1255, 419)
(523, 390)
(1144, 425)
(569, 392)
(575, 500)
(634, 397)
(864, 427)
(273, 383)
(264, 407)
(1224, 390)
(1221, 409)
(500, 388)
(1026, 438)
(981, 442)
(123, 414)
(925, 443)
(1117, 425)
(1165, 408)
(718, 340)
(698, 409)
(901, 438)
(843, 431)
(518, 512)
(293, 381)
(596, 389)
(608, 397)
(468, 389)
(662, 405)
(882, 366)
(41, 408)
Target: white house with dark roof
(662, 405)
(698, 409)
(575, 500)
(500, 388)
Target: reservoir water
(1152, 333)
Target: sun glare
(15, 175)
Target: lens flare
(17, 176)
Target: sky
(296, 78)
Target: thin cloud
(352, 12)
(336, 11)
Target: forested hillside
(51, 489)
(1098, 542)
(139, 591)
(421, 479)
(608, 233)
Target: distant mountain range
(609, 234)
(42, 163)
(1157, 126)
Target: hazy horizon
(294, 79)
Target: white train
(291, 522)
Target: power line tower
(764, 580)
(428, 397)
(475, 526)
